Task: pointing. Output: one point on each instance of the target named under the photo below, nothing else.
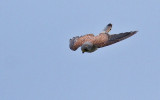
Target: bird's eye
(86, 49)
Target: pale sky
(37, 64)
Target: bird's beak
(83, 51)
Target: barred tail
(71, 43)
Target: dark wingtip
(109, 24)
(134, 32)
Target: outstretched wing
(114, 38)
(100, 40)
(77, 41)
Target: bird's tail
(71, 43)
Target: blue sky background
(37, 64)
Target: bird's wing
(100, 40)
(114, 38)
(77, 41)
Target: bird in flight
(90, 43)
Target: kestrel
(90, 43)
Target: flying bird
(90, 43)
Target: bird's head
(88, 47)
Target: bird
(90, 43)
